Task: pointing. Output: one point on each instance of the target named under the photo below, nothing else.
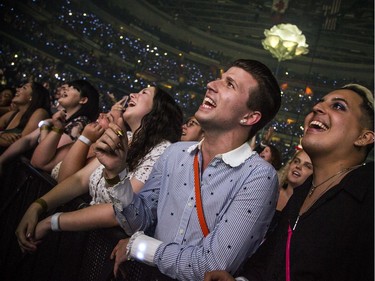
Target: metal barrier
(63, 256)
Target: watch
(44, 122)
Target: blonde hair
(283, 172)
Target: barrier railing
(63, 256)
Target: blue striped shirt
(239, 194)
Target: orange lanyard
(198, 197)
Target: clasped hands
(112, 147)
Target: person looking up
(80, 101)
(192, 130)
(238, 188)
(32, 106)
(155, 121)
(272, 155)
(6, 97)
(326, 230)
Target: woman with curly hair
(155, 121)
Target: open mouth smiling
(318, 125)
(208, 103)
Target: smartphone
(124, 104)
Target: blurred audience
(32, 106)
(192, 130)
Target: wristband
(130, 243)
(112, 181)
(45, 127)
(58, 130)
(85, 140)
(42, 203)
(44, 123)
(55, 224)
(142, 248)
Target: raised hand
(93, 132)
(119, 107)
(59, 119)
(112, 147)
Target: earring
(243, 121)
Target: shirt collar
(233, 158)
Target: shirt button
(181, 231)
(190, 204)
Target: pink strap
(287, 255)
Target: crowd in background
(61, 41)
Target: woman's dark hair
(39, 99)
(90, 109)
(266, 98)
(276, 157)
(163, 122)
(11, 90)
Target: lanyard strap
(287, 254)
(198, 197)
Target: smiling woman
(326, 231)
(32, 106)
(80, 102)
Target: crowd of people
(201, 196)
(139, 163)
(132, 61)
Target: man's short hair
(266, 97)
(367, 107)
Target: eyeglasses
(191, 123)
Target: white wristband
(241, 279)
(142, 248)
(85, 140)
(55, 225)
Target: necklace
(324, 191)
(313, 186)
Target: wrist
(114, 177)
(42, 204)
(142, 248)
(55, 222)
(57, 130)
(85, 140)
(44, 123)
(113, 180)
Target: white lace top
(99, 192)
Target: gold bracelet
(42, 203)
(112, 181)
(45, 127)
(58, 130)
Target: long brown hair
(163, 122)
